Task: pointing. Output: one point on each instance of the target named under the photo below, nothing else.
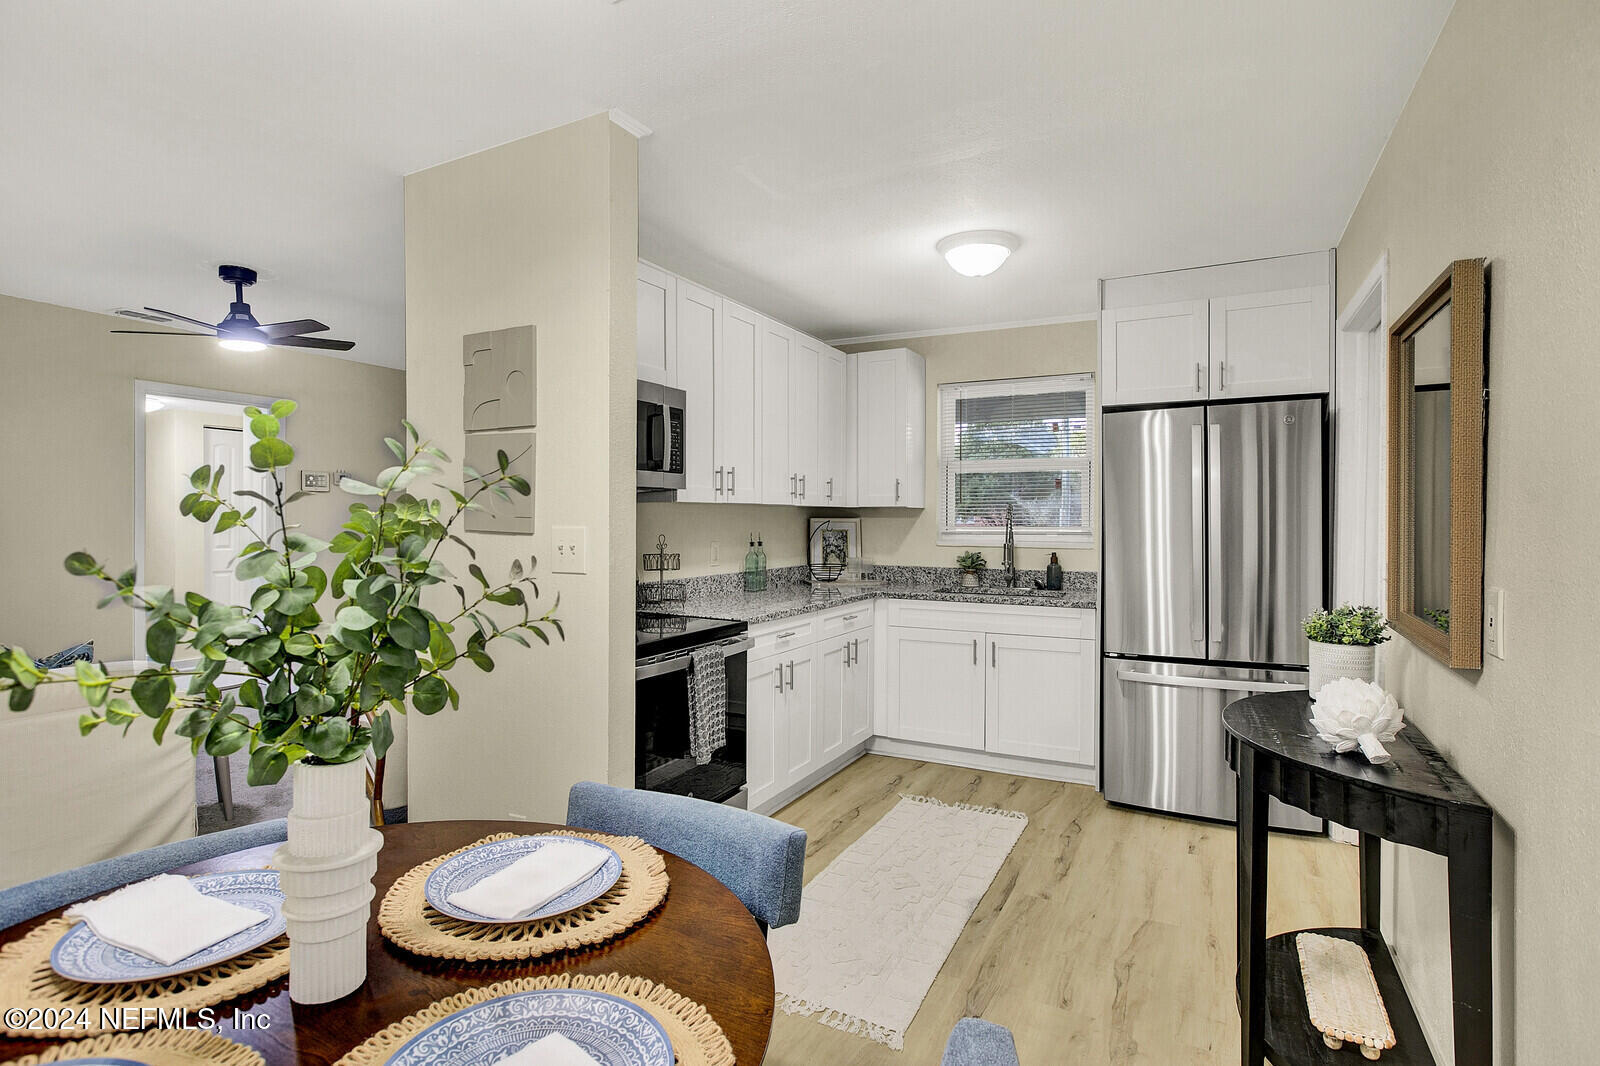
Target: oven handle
(681, 662)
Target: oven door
(662, 762)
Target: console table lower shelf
(1291, 1038)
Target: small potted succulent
(972, 565)
(1344, 643)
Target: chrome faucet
(1008, 552)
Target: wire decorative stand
(824, 567)
(661, 562)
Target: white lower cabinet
(859, 691)
(1038, 698)
(935, 686)
(844, 694)
(761, 727)
(781, 722)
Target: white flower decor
(1351, 714)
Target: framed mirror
(1437, 411)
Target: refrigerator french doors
(1213, 532)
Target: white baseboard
(779, 800)
(983, 760)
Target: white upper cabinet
(699, 330)
(834, 429)
(804, 367)
(1154, 354)
(658, 330)
(773, 378)
(1270, 343)
(891, 428)
(734, 445)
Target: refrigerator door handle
(1197, 507)
(1140, 677)
(1216, 586)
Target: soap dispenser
(1052, 573)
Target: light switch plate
(571, 549)
(1494, 622)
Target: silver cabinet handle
(731, 470)
(992, 654)
(719, 479)
(974, 653)
(896, 490)
(830, 488)
(785, 636)
(802, 486)
(1199, 377)
(850, 618)
(779, 673)
(1222, 377)
(855, 650)
(793, 483)
(791, 675)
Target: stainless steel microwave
(660, 438)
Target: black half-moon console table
(1416, 799)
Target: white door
(804, 368)
(858, 691)
(1039, 698)
(658, 335)
(833, 692)
(778, 479)
(1270, 343)
(735, 440)
(1153, 354)
(699, 338)
(831, 423)
(878, 444)
(225, 447)
(762, 751)
(799, 710)
(935, 686)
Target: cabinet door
(658, 331)
(804, 368)
(763, 749)
(1039, 698)
(858, 690)
(880, 462)
(1153, 354)
(832, 423)
(797, 716)
(699, 338)
(778, 483)
(735, 440)
(834, 677)
(1270, 343)
(935, 686)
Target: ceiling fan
(240, 332)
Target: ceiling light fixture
(236, 344)
(977, 252)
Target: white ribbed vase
(326, 872)
(1332, 661)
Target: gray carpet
(251, 803)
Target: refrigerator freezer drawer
(1164, 741)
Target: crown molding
(1054, 320)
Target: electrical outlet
(572, 549)
(1494, 622)
(716, 552)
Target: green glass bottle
(752, 564)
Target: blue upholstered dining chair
(760, 859)
(975, 1042)
(33, 898)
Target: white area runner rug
(878, 923)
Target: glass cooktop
(657, 634)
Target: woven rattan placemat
(164, 1047)
(408, 921)
(28, 982)
(697, 1039)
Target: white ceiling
(806, 156)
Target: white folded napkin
(551, 1050)
(531, 881)
(165, 919)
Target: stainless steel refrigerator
(1213, 532)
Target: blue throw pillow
(67, 656)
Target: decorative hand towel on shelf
(164, 919)
(552, 1050)
(1352, 714)
(1342, 996)
(531, 881)
(708, 703)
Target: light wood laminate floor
(1106, 938)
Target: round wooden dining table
(701, 942)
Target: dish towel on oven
(708, 703)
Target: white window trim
(1024, 537)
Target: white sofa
(68, 799)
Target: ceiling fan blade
(212, 326)
(166, 333)
(291, 329)
(313, 342)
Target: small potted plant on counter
(972, 565)
(1344, 643)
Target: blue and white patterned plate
(612, 1030)
(471, 866)
(82, 956)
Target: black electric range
(657, 634)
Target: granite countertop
(789, 593)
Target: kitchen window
(1026, 442)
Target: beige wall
(67, 481)
(174, 544)
(1497, 155)
(691, 528)
(910, 538)
(542, 230)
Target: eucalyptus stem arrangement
(322, 689)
